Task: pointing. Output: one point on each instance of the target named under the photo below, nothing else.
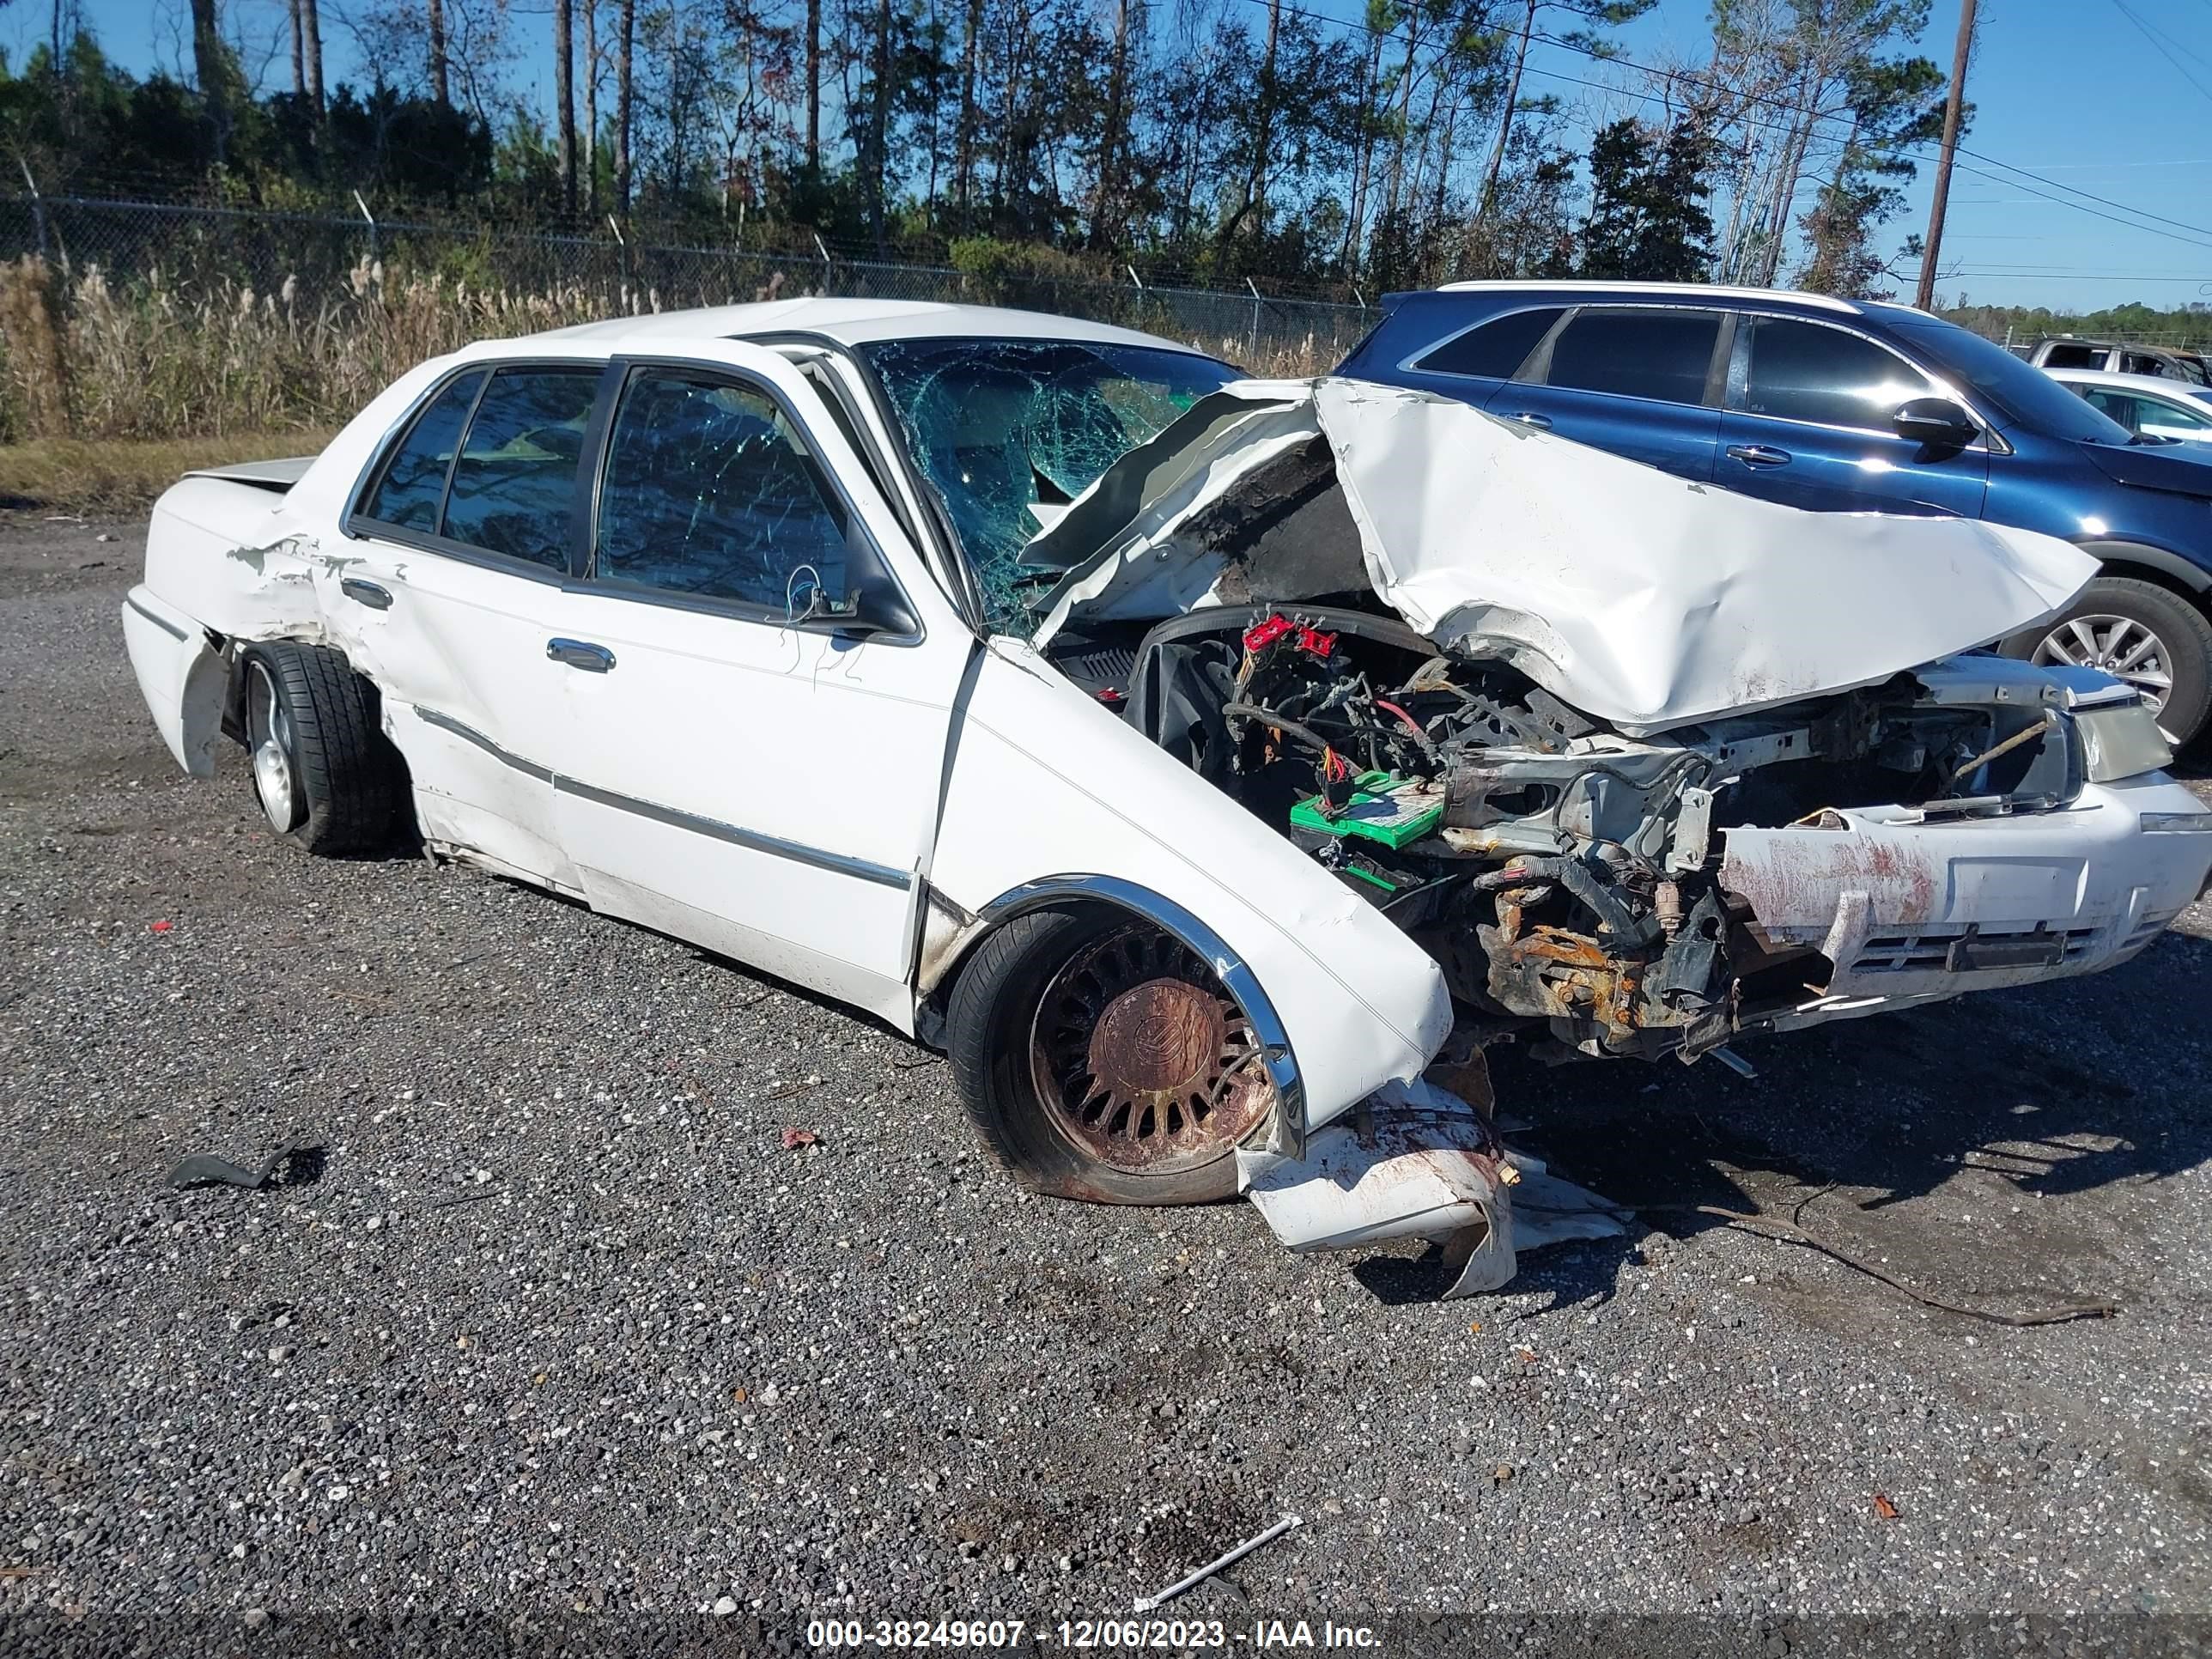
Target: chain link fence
(205, 252)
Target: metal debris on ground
(206, 1169)
(1146, 1603)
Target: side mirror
(877, 607)
(1934, 423)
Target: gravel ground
(560, 1325)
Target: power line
(2158, 46)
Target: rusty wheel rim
(1141, 1058)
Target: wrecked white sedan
(1189, 798)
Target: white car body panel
(1639, 599)
(1047, 784)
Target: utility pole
(1952, 105)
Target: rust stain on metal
(1157, 1037)
(1795, 880)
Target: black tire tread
(351, 776)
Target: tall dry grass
(91, 360)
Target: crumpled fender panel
(1045, 784)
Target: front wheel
(2141, 633)
(1102, 1058)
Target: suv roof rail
(1590, 285)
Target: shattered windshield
(1009, 431)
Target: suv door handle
(580, 653)
(1759, 454)
(366, 592)
(1529, 417)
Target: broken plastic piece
(204, 1168)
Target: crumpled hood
(1631, 594)
(2155, 467)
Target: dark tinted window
(516, 477)
(2074, 356)
(710, 490)
(1497, 349)
(414, 481)
(1656, 353)
(1809, 372)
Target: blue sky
(2071, 90)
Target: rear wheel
(1102, 1059)
(324, 772)
(2141, 633)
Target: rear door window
(412, 490)
(1800, 371)
(514, 481)
(711, 491)
(1659, 352)
(1494, 350)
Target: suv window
(2152, 415)
(711, 491)
(1801, 371)
(2073, 357)
(413, 487)
(1655, 352)
(514, 481)
(1495, 349)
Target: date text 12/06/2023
(1178, 1635)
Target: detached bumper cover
(1908, 910)
(1416, 1162)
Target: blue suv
(1844, 406)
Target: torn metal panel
(1643, 600)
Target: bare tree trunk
(439, 92)
(564, 101)
(624, 113)
(299, 48)
(1506, 118)
(1404, 120)
(1103, 225)
(814, 86)
(1362, 154)
(1254, 198)
(212, 74)
(591, 106)
(963, 165)
(879, 123)
(311, 20)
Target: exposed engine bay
(1433, 652)
(1556, 870)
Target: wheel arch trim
(1235, 974)
(2194, 578)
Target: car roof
(856, 322)
(1690, 291)
(2165, 383)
